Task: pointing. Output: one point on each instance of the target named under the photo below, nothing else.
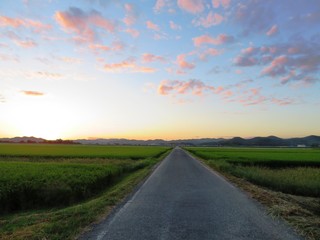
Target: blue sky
(159, 69)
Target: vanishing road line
(182, 199)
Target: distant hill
(270, 141)
(35, 140)
(23, 139)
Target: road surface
(183, 199)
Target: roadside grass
(69, 222)
(270, 184)
(284, 176)
(66, 223)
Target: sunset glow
(159, 69)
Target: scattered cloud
(210, 20)
(206, 39)
(174, 26)
(152, 26)
(209, 52)
(196, 87)
(297, 60)
(131, 14)
(32, 93)
(84, 23)
(239, 93)
(133, 32)
(223, 3)
(6, 57)
(272, 31)
(160, 4)
(128, 65)
(26, 43)
(245, 61)
(276, 67)
(64, 59)
(191, 6)
(42, 75)
(183, 64)
(254, 15)
(148, 57)
(99, 47)
(36, 26)
(16, 39)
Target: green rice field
(40, 176)
(289, 170)
(82, 151)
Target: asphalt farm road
(183, 199)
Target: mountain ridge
(270, 141)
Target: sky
(170, 69)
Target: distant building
(301, 146)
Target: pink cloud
(295, 61)
(152, 26)
(224, 3)
(243, 61)
(42, 75)
(283, 102)
(118, 46)
(82, 23)
(5, 57)
(183, 63)
(216, 3)
(174, 26)
(99, 47)
(277, 67)
(127, 65)
(133, 32)
(249, 50)
(272, 31)
(206, 39)
(26, 44)
(209, 52)
(210, 20)
(131, 14)
(251, 97)
(12, 22)
(33, 93)
(148, 57)
(196, 87)
(36, 26)
(112, 67)
(69, 59)
(191, 6)
(159, 5)
(291, 75)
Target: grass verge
(68, 223)
(302, 213)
